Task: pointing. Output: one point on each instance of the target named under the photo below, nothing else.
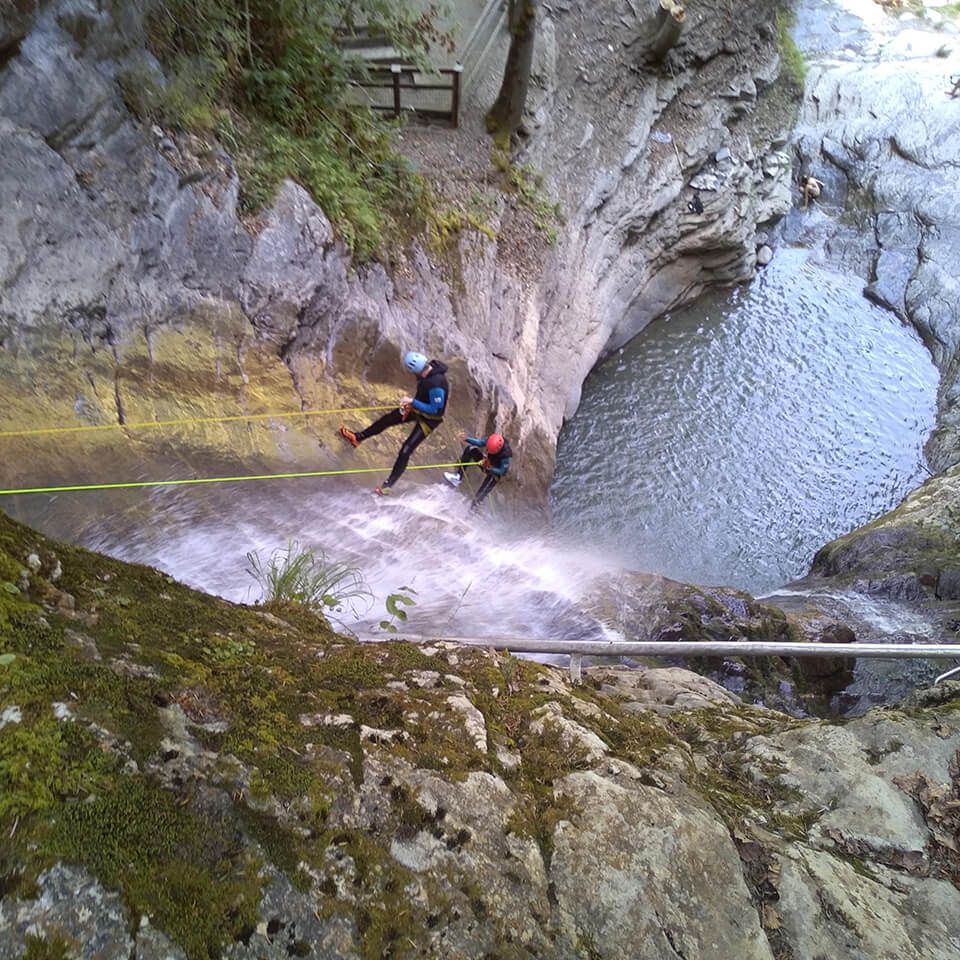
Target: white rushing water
(489, 574)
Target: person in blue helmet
(494, 455)
(424, 409)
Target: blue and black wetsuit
(497, 464)
(429, 405)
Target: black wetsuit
(427, 411)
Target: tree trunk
(507, 112)
(669, 25)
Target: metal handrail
(577, 649)
(706, 648)
(397, 70)
(947, 675)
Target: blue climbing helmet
(415, 362)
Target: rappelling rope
(268, 476)
(174, 423)
(187, 420)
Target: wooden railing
(398, 78)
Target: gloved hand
(485, 464)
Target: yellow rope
(171, 423)
(269, 476)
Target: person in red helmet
(494, 455)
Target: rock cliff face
(183, 777)
(880, 128)
(882, 131)
(114, 235)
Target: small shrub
(269, 78)
(527, 185)
(794, 66)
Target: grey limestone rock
(72, 908)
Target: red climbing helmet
(494, 443)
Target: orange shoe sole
(349, 436)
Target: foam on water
(490, 574)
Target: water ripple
(726, 444)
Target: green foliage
(444, 225)
(795, 67)
(446, 221)
(346, 164)
(395, 603)
(527, 185)
(307, 577)
(220, 649)
(23, 628)
(269, 77)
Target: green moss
(639, 738)
(446, 225)
(387, 920)
(546, 758)
(44, 762)
(94, 692)
(190, 873)
(527, 185)
(794, 65)
(400, 657)
(283, 848)
(24, 628)
(10, 570)
(347, 671)
(411, 815)
(733, 787)
(52, 946)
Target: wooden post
(395, 70)
(455, 95)
(669, 25)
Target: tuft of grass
(297, 574)
(51, 946)
(527, 185)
